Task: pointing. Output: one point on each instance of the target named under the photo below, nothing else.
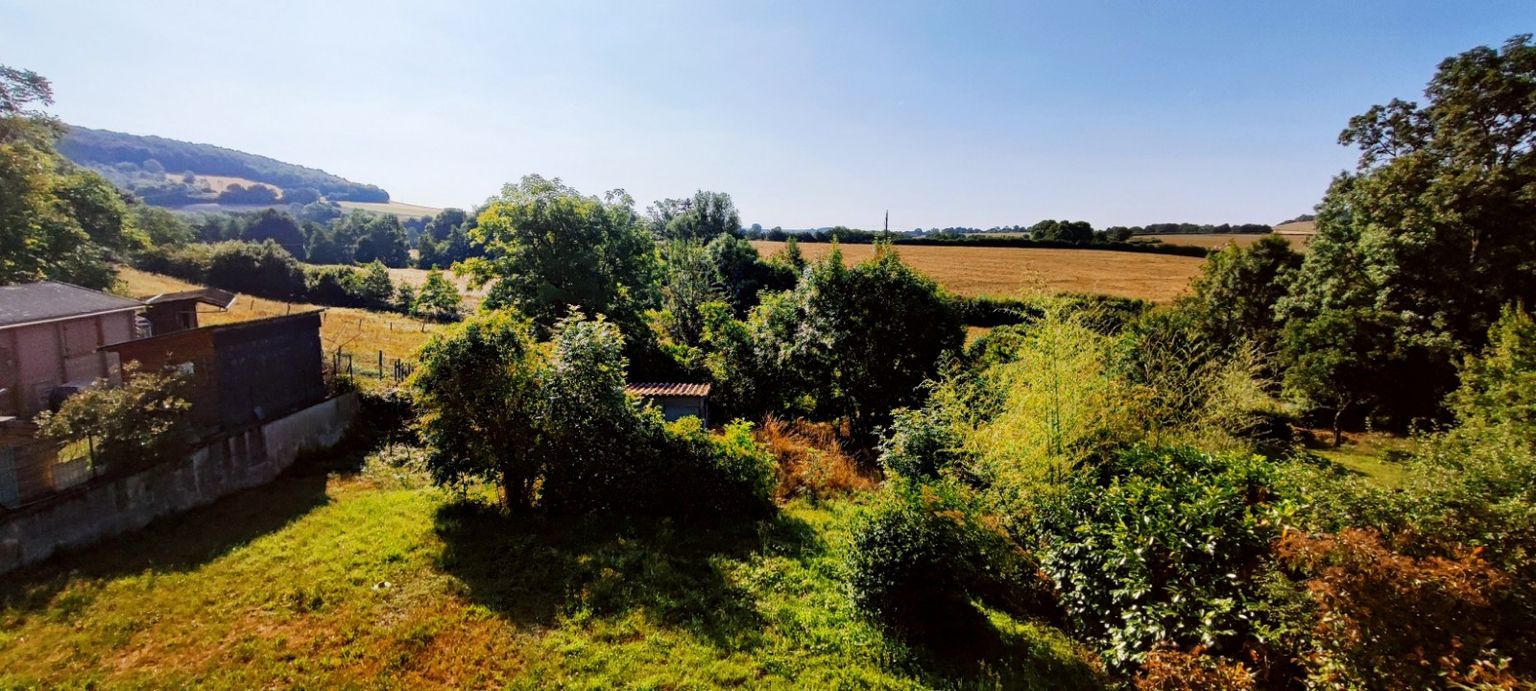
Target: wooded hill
(155, 168)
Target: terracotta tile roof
(667, 389)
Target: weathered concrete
(128, 503)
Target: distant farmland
(400, 209)
(1219, 240)
(1010, 271)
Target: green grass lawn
(1376, 456)
(317, 581)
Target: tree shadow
(182, 542)
(192, 538)
(534, 570)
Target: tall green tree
(845, 343)
(278, 227)
(56, 221)
(550, 249)
(1425, 241)
(702, 217)
(383, 241)
(1238, 288)
(478, 390)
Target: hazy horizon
(809, 115)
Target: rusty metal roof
(211, 296)
(667, 389)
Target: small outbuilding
(243, 373)
(676, 399)
(171, 312)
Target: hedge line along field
(357, 331)
(1220, 240)
(1010, 271)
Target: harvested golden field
(400, 209)
(358, 331)
(1011, 271)
(219, 183)
(472, 297)
(1220, 240)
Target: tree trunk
(1338, 431)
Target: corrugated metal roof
(49, 300)
(667, 389)
(212, 296)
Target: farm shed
(49, 336)
(242, 373)
(677, 400)
(170, 312)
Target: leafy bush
(921, 553)
(847, 343)
(1388, 620)
(705, 474)
(1158, 547)
(810, 459)
(919, 444)
(551, 425)
(1167, 669)
(141, 423)
(266, 269)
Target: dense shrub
(266, 269)
(921, 553)
(551, 425)
(1167, 669)
(847, 343)
(700, 473)
(140, 423)
(1388, 620)
(919, 444)
(1158, 547)
(810, 460)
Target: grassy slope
(1374, 455)
(318, 582)
(1011, 271)
(353, 330)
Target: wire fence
(375, 365)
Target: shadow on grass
(182, 542)
(533, 570)
(188, 540)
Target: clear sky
(809, 113)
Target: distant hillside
(168, 172)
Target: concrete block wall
(128, 503)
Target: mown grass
(1376, 456)
(317, 581)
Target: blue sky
(808, 113)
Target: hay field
(472, 296)
(357, 331)
(219, 183)
(1011, 271)
(400, 209)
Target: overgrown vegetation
(1127, 477)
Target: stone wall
(113, 506)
